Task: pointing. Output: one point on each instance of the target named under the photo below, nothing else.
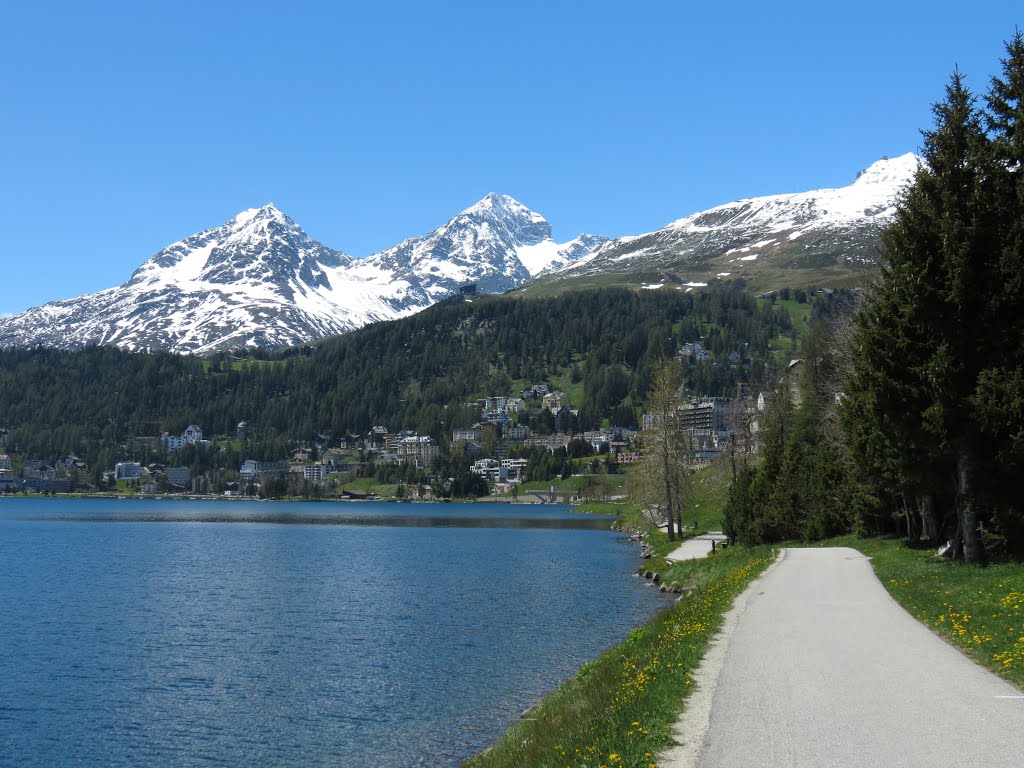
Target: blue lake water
(202, 633)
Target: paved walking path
(697, 547)
(819, 667)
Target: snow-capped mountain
(498, 244)
(260, 281)
(830, 229)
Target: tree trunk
(974, 551)
(913, 532)
(666, 473)
(670, 521)
(732, 456)
(929, 519)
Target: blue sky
(127, 126)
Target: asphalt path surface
(696, 548)
(818, 667)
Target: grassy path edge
(977, 610)
(621, 709)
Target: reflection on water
(497, 515)
(325, 635)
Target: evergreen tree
(906, 410)
(936, 393)
(998, 399)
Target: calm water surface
(198, 633)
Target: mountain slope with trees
(414, 373)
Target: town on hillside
(520, 438)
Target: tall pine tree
(914, 368)
(998, 400)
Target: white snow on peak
(265, 211)
(872, 195)
(891, 172)
(504, 205)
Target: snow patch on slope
(873, 194)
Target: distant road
(697, 547)
(822, 668)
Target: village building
(35, 469)
(254, 471)
(179, 477)
(514, 469)
(192, 435)
(127, 470)
(493, 403)
(333, 458)
(351, 442)
(314, 473)
(555, 401)
(473, 434)
(515, 405)
(535, 391)
(496, 417)
(551, 442)
(518, 432)
(693, 351)
(419, 451)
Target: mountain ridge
(259, 281)
(836, 227)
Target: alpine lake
(228, 633)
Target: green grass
(370, 485)
(563, 382)
(126, 487)
(710, 491)
(767, 277)
(798, 313)
(783, 347)
(979, 610)
(574, 485)
(547, 288)
(618, 508)
(619, 710)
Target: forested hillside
(413, 373)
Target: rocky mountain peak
(508, 217)
(264, 213)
